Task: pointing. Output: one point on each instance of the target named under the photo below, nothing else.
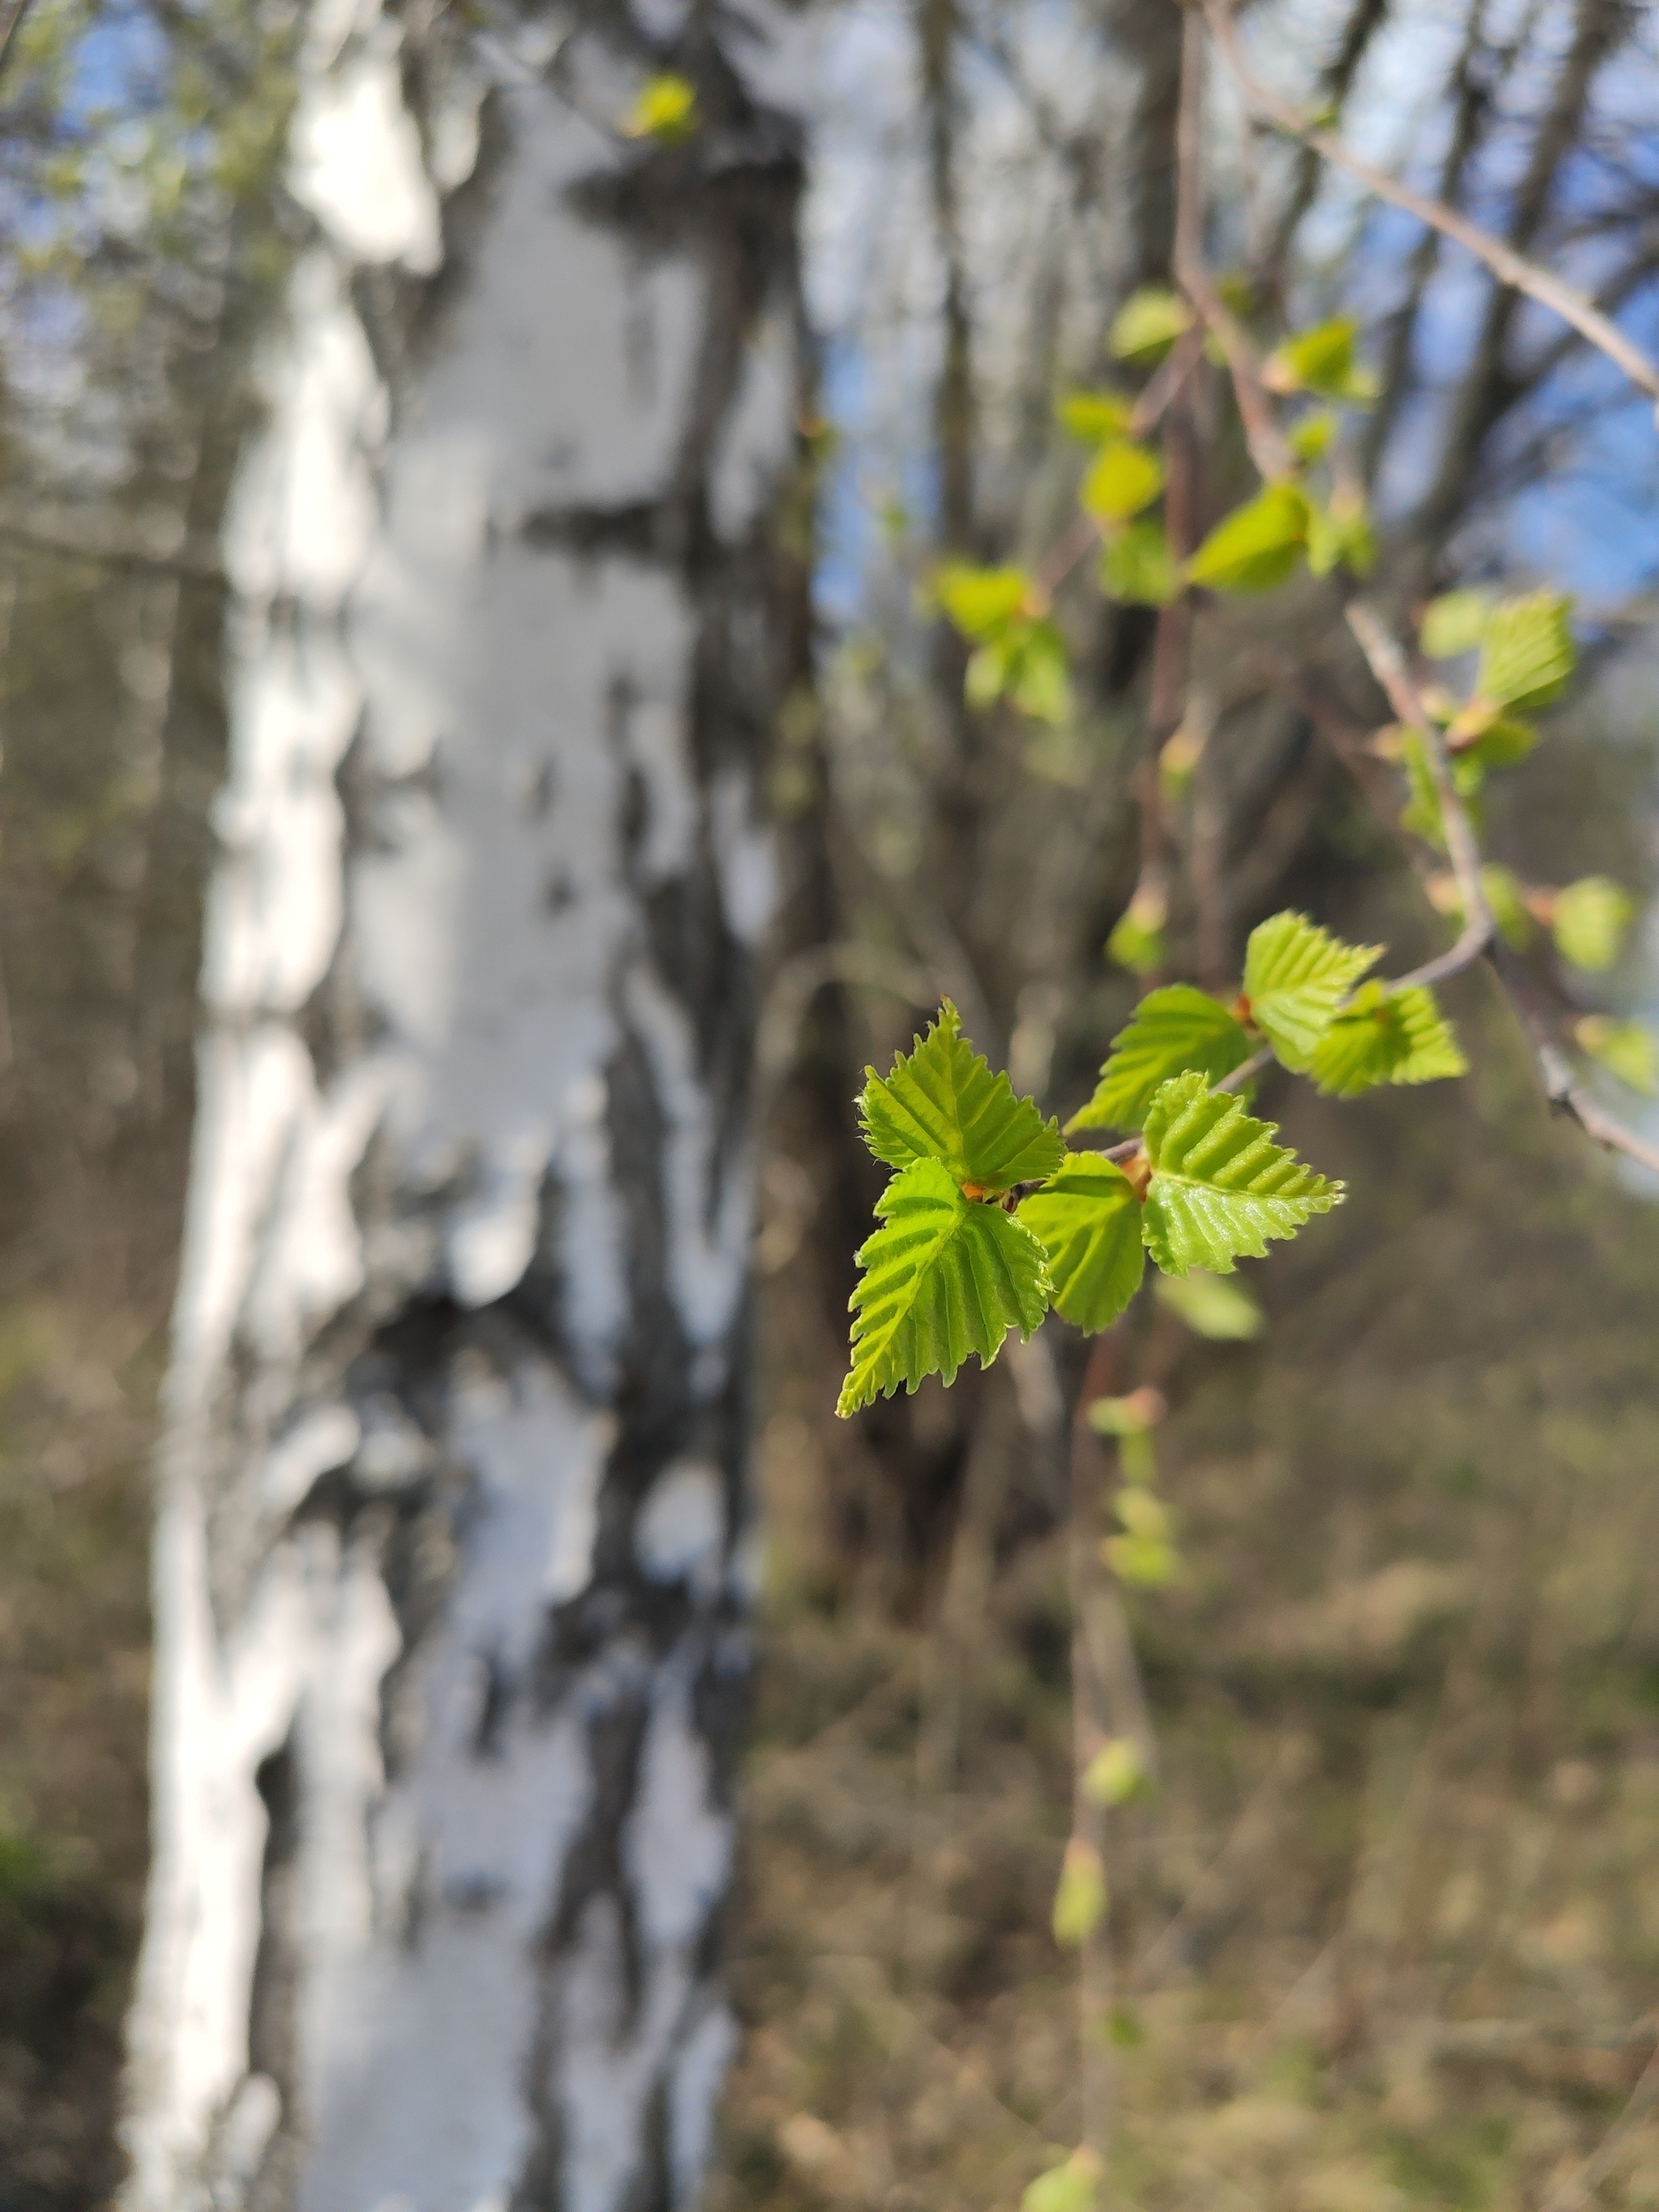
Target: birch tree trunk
(450, 1568)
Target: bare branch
(1513, 269)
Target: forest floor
(1387, 1930)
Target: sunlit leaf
(1310, 437)
(1137, 567)
(1212, 1307)
(1087, 1219)
(1296, 977)
(945, 1276)
(1588, 919)
(1080, 1899)
(1137, 940)
(1220, 1187)
(667, 110)
(1626, 1049)
(1258, 546)
(1386, 1036)
(1324, 360)
(1122, 479)
(942, 1102)
(1115, 1774)
(983, 602)
(1172, 1031)
(1094, 416)
(1526, 653)
(1148, 324)
(1455, 624)
(1341, 535)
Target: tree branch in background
(11, 15)
(1512, 268)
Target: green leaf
(1589, 921)
(1258, 546)
(1341, 535)
(1310, 438)
(1074, 2187)
(1507, 905)
(1087, 1219)
(1386, 1037)
(1172, 1031)
(942, 1102)
(1094, 416)
(1502, 742)
(1145, 1554)
(1148, 324)
(983, 602)
(1454, 623)
(1115, 1774)
(1138, 568)
(1422, 815)
(987, 675)
(944, 1276)
(1137, 940)
(1324, 360)
(1123, 480)
(667, 110)
(1527, 655)
(1296, 977)
(1039, 681)
(1626, 1049)
(1211, 1307)
(1080, 1899)
(1220, 1187)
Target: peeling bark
(450, 1567)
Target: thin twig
(1556, 1078)
(1510, 267)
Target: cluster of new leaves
(988, 1220)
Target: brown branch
(1513, 269)
(11, 15)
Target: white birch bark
(450, 1564)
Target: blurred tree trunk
(449, 1585)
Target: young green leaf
(1455, 624)
(1115, 1774)
(1087, 1219)
(1257, 545)
(1145, 1553)
(1123, 480)
(1137, 567)
(1588, 920)
(1137, 940)
(1386, 1037)
(1074, 2187)
(1092, 417)
(1341, 535)
(1507, 905)
(1310, 438)
(1527, 655)
(944, 1276)
(1296, 977)
(1324, 360)
(1039, 680)
(942, 1102)
(1148, 324)
(1422, 816)
(1211, 1307)
(1626, 1049)
(1080, 1899)
(1172, 1031)
(1500, 742)
(983, 602)
(1220, 1186)
(667, 110)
